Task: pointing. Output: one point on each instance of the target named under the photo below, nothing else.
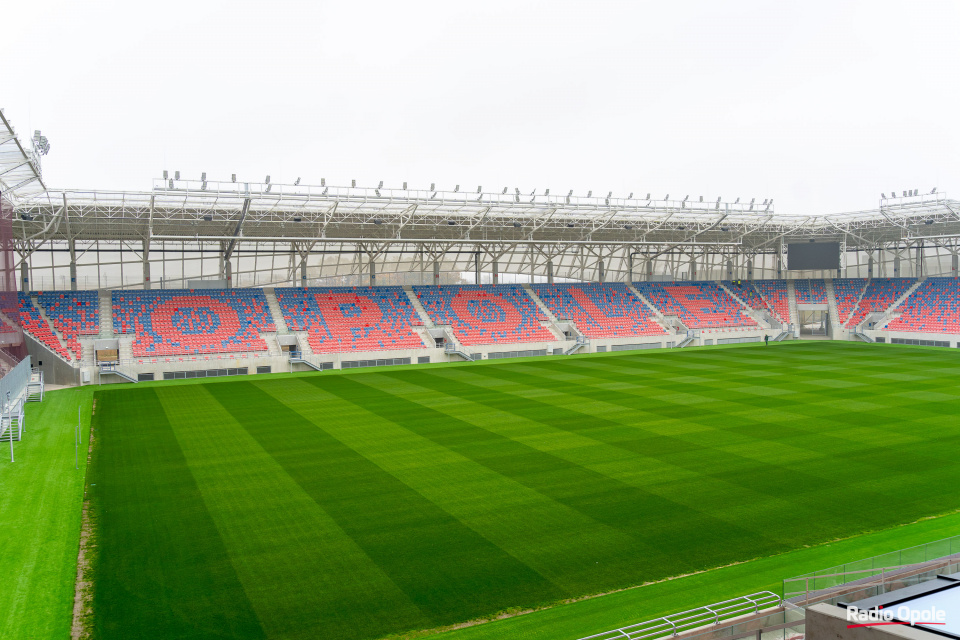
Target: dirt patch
(83, 587)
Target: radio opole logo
(901, 615)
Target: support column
(73, 264)
(600, 271)
(476, 268)
(896, 267)
(729, 269)
(629, 267)
(693, 268)
(919, 269)
(24, 275)
(436, 274)
(549, 271)
(228, 272)
(303, 271)
(496, 272)
(954, 260)
(649, 270)
(373, 273)
(750, 269)
(870, 265)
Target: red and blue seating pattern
(480, 314)
(774, 292)
(810, 291)
(847, 292)
(73, 314)
(879, 295)
(339, 319)
(746, 292)
(188, 322)
(699, 305)
(600, 310)
(33, 322)
(933, 307)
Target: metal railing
(677, 623)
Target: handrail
(677, 623)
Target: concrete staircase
(424, 316)
(757, 317)
(832, 305)
(126, 347)
(660, 318)
(106, 314)
(53, 329)
(889, 314)
(540, 304)
(275, 311)
(792, 300)
(304, 343)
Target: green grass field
(366, 504)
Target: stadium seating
(934, 307)
(879, 295)
(746, 292)
(774, 293)
(339, 319)
(699, 305)
(810, 291)
(600, 310)
(73, 314)
(847, 291)
(35, 325)
(480, 314)
(187, 322)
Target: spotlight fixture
(267, 180)
(380, 186)
(233, 177)
(176, 175)
(208, 218)
(456, 189)
(165, 174)
(630, 197)
(404, 186)
(353, 183)
(323, 182)
(589, 194)
(504, 191)
(433, 186)
(296, 182)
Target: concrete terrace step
(275, 311)
(106, 314)
(424, 316)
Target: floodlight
(203, 177)
(165, 174)
(666, 197)
(547, 192)
(916, 191)
(630, 197)
(297, 182)
(353, 183)
(171, 183)
(883, 196)
(752, 200)
(323, 182)
(267, 180)
(934, 190)
(433, 186)
(377, 191)
(176, 175)
(451, 222)
(628, 226)
(208, 218)
(685, 198)
(479, 188)
(516, 190)
(718, 199)
(504, 191)
(456, 189)
(609, 194)
(737, 201)
(404, 186)
(380, 186)
(516, 224)
(570, 193)
(648, 196)
(589, 194)
(325, 189)
(377, 221)
(701, 198)
(904, 194)
(233, 177)
(269, 187)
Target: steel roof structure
(388, 229)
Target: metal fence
(14, 384)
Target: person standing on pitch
(766, 339)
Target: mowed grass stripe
(540, 532)
(687, 487)
(670, 537)
(289, 554)
(162, 570)
(834, 485)
(446, 569)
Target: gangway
(581, 343)
(450, 348)
(297, 357)
(110, 368)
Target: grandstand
(608, 310)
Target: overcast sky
(819, 105)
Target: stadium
(237, 409)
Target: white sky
(820, 105)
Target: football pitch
(359, 505)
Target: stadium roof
(224, 211)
